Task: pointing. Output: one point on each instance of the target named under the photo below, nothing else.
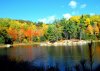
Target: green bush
(98, 36)
(42, 38)
(25, 40)
(89, 37)
(52, 38)
(2, 40)
(35, 39)
(93, 37)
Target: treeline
(83, 27)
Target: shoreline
(57, 43)
(66, 43)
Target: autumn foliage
(13, 33)
(21, 30)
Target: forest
(84, 27)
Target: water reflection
(76, 58)
(90, 55)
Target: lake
(62, 58)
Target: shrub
(98, 36)
(35, 39)
(52, 38)
(89, 36)
(2, 40)
(25, 41)
(42, 38)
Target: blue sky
(47, 10)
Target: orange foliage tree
(13, 33)
(28, 33)
(89, 29)
(96, 28)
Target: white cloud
(92, 14)
(73, 4)
(67, 16)
(49, 19)
(42, 20)
(83, 5)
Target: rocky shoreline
(58, 43)
(65, 43)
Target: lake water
(66, 58)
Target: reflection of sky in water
(62, 57)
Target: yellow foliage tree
(44, 28)
(87, 22)
(75, 19)
(95, 18)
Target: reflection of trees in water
(90, 54)
(56, 59)
(89, 64)
(11, 65)
(85, 64)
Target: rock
(64, 43)
(8, 46)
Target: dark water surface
(36, 58)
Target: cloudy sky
(47, 10)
